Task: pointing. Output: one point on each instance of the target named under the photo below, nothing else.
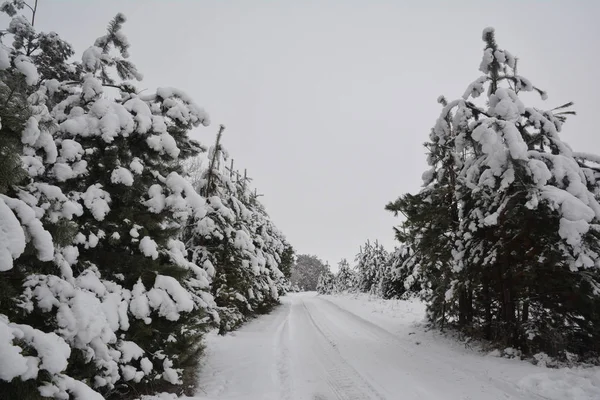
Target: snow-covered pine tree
(372, 267)
(325, 282)
(125, 275)
(388, 286)
(406, 277)
(345, 279)
(209, 237)
(512, 253)
(431, 216)
(528, 248)
(271, 245)
(35, 359)
(365, 278)
(288, 257)
(237, 242)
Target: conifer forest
(139, 261)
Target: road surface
(311, 349)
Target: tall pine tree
(504, 232)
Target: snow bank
(389, 314)
(402, 317)
(564, 383)
(171, 396)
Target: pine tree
(406, 279)
(432, 214)
(288, 256)
(237, 242)
(325, 282)
(372, 269)
(365, 273)
(527, 220)
(504, 231)
(136, 203)
(35, 215)
(345, 279)
(122, 271)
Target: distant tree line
(306, 271)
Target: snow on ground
(356, 347)
(402, 318)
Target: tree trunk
(487, 304)
(525, 312)
(465, 307)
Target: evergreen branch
(476, 109)
(103, 84)
(566, 105)
(9, 97)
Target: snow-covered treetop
(97, 58)
(502, 148)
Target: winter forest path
(312, 349)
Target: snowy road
(312, 349)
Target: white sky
(327, 103)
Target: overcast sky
(327, 103)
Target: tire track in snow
(282, 358)
(459, 369)
(343, 379)
(310, 348)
